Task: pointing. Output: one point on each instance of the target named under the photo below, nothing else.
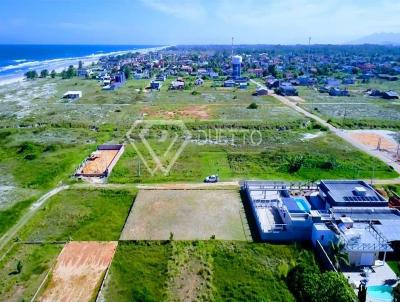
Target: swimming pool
(302, 204)
(380, 293)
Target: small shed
(72, 95)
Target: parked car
(211, 179)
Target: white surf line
(5, 239)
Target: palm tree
(338, 254)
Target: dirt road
(9, 235)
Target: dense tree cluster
(308, 284)
(31, 75)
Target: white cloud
(191, 10)
(292, 21)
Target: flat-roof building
(350, 193)
(351, 212)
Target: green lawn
(80, 214)
(203, 270)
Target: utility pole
(344, 115)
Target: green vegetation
(358, 110)
(80, 214)
(282, 155)
(40, 165)
(395, 266)
(253, 106)
(138, 272)
(23, 269)
(308, 284)
(31, 75)
(202, 270)
(9, 216)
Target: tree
(80, 64)
(71, 72)
(53, 74)
(31, 75)
(308, 284)
(338, 255)
(272, 70)
(44, 73)
(396, 293)
(127, 72)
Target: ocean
(16, 60)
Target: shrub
(294, 163)
(30, 156)
(309, 285)
(252, 106)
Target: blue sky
(169, 22)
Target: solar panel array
(361, 198)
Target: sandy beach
(60, 64)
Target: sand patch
(374, 139)
(99, 161)
(79, 271)
(199, 112)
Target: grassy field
(188, 215)
(288, 157)
(358, 110)
(202, 271)
(35, 262)
(92, 215)
(80, 215)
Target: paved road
(9, 235)
(339, 132)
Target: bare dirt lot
(99, 162)
(79, 271)
(188, 214)
(200, 112)
(373, 138)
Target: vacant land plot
(187, 214)
(35, 261)
(285, 154)
(374, 139)
(80, 215)
(202, 271)
(356, 111)
(79, 271)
